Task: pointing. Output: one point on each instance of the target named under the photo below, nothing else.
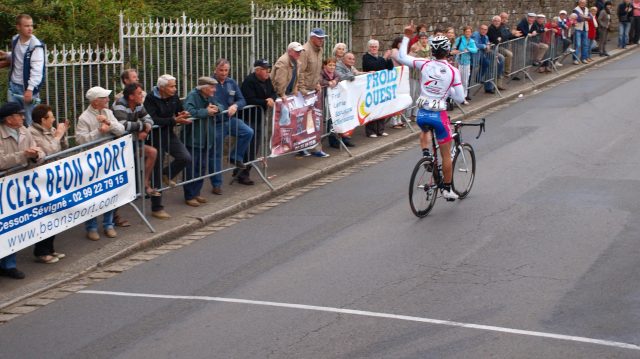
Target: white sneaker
(558, 64)
(384, 134)
(373, 135)
(449, 195)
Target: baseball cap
(295, 46)
(10, 108)
(97, 92)
(541, 15)
(531, 14)
(563, 12)
(318, 32)
(262, 63)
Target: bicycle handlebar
(481, 124)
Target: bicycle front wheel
(423, 188)
(464, 170)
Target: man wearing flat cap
(202, 106)
(258, 90)
(17, 147)
(97, 122)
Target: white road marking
(376, 315)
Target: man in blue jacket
(486, 56)
(229, 95)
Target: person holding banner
(51, 138)
(439, 80)
(371, 61)
(96, 122)
(17, 147)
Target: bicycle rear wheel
(423, 188)
(464, 170)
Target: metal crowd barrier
(520, 59)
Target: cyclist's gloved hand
(421, 101)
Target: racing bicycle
(427, 178)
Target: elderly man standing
(17, 147)
(310, 74)
(258, 90)
(27, 63)
(581, 30)
(96, 122)
(487, 57)
(202, 106)
(285, 71)
(166, 111)
(228, 94)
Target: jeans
(107, 222)
(635, 24)
(486, 74)
(15, 89)
(231, 127)
(623, 34)
(582, 44)
(8, 262)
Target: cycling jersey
(438, 81)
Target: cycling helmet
(440, 43)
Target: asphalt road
(542, 258)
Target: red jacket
(592, 27)
(549, 35)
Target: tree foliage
(96, 21)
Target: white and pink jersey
(438, 79)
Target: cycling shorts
(439, 120)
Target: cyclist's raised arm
(405, 58)
(456, 92)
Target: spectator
(371, 61)
(97, 122)
(229, 95)
(465, 46)
(396, 121)
(635, 22)
(165, 108)
(128, 76)
(593, 29)
(566, 26)
(330, 79)
(553, 33)
(531, 28)
(199, 137)
(27, 66)
(625, 12)
(507, 33)
(135, 119)
(17, 147)
(285, 71)
(450, 33)
(496, 38)
(421, 29)
(258, 90)
(540, 48)
(346, 69)
(309, 74)
(339, 50)
(604, 21)
(581, 31)
(51, 139)
(421, 48)
(486, 59)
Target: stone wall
(385, 19)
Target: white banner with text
(49, 199)
(369, 97)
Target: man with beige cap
(96, 122)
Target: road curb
(174, 233)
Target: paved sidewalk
(285, 173)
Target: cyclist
(439, 81)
